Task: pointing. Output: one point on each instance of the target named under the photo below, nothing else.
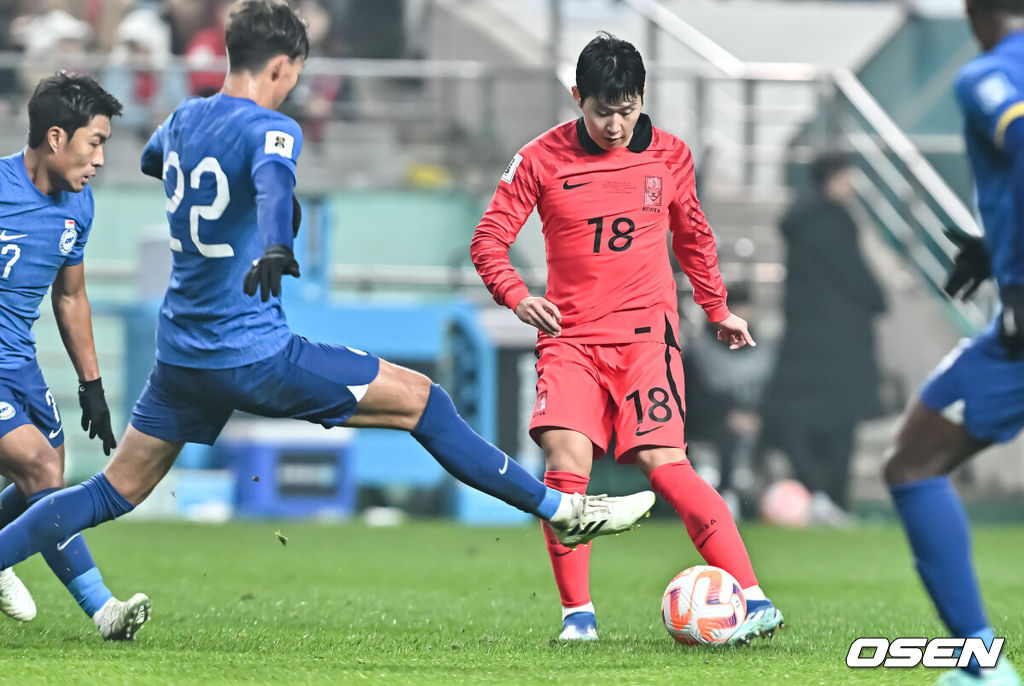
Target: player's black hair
(69, 101)
(827, 166)
(260, 30)
(610, 69)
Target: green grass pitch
(436, 603)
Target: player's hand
(95, 413)
(265, 273)
(296, 216)
(970, 268)
(540, 313)
(1011, 320)
(733, 330)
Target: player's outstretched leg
(32, 463)
(928, 447)
(400, 398)
(714, 533)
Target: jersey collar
(643, 131)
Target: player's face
(78, 158)
(610, 125)
(287, 78)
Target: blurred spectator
(138, 72)
(51, 40)
(723, 390)
(826, 378)
(186, 18)
(206, 53)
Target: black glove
(95, 413)
(971, 267)
(296, 216)
(1011, 320)
(265, 273)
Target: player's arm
(74, 321)
(514, 199)
(694, 246)
(1010, 134)
(993, 106)
(277, 214)
(152, 162)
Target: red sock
(706, 517)
(571, 567)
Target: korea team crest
(652, 191)
(541, 406)
(68, 238)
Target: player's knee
(38, 470)
(903, 465)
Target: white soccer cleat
(119, 620)
(599, 515)
(15, 600)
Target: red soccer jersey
(604, 216)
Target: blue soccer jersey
(39, 234)
(210, 149)
(978, 381)
(990, 89)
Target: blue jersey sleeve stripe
(1009, 115)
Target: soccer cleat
(15, 600)
(579, 626)
(1002, 674)
(762, 619)
(599, 515)
(119, 620)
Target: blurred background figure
(826, 379)
(49, 39)
(138, 73)
(723, 397)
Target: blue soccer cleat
(579, 626)
(762, 620)
(1002, 674)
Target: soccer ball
(786, 503)
(703, 604)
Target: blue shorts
(26, 399)
(317, 382)
(978, 379)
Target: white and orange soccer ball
(702, 605)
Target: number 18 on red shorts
(633, 389)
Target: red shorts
(634, 390)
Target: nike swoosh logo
(567, 186)
(61, 546)
(558, 554)
(53, 434)
(4, 236)
(504, 467)
(641, 433)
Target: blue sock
(12, 504)
(59, 516)
(72, 562)
(936, 527)
(475, 462)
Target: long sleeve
(694, 245)
(508, 210)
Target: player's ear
(275, 67)
(576, 97)
(56, 138)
